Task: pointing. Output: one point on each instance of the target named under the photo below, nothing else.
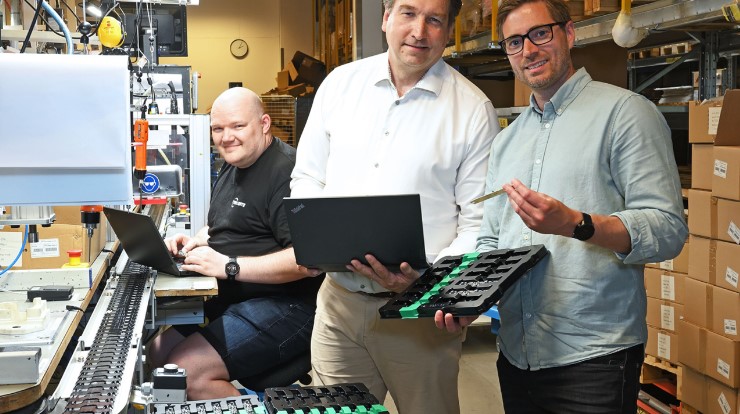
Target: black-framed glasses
(538, 36)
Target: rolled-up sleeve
(644, 170)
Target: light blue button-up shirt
(602, 150)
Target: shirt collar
(566, 94)
(432, 81)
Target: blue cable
(23, 245)
(67, 36)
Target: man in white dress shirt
(402, 122)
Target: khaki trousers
(412, 359)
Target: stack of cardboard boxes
(301, 76)
(709, 344)
(664, 283)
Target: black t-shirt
(246, 218)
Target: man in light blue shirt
(589, 172)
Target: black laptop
(329, 232)
(142, 242)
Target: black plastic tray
(465, 285)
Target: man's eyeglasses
(538, 36)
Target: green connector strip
(315, 411)
(330, 410)
(378, 409)
(469, 257)
(410, 311)
(360, 410)
(345, 410)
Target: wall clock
(239, 48)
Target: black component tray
(244, 404)
(339, 399)
(465, 285)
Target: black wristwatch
(232, 269)
(585, 229)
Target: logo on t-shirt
(236, 202)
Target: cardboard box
(691, 338)
(727, 264)
(663, 314)
(575, 7)
(728, 127)
(704, 120)
(678, 264)
(693, 389)
(605, 6)
(702, 258)
(283, 79)
(292, 71)
(521, 93)
(728, 220)
(722, 359)
(698, 305)
(725, 312)
(54, 242)
(662, 284)
(726, 172)
(662, 344)
(702, 213)
(702, 164)
(721, 399)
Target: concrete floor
(478, 382)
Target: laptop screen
(329, 232)
(141, 240)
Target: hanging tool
(90, 218)
(141, 136)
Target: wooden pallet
(687, 409)
(662, 373)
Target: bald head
(241, 97)
(239, 127)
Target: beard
(560, 68)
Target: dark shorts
(255, 335)
(603, 385)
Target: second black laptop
(329, 232)
(142, 242)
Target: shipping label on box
(727, 263)
(662, 284)
(10, 245)
(728, 215)
(721, 399)
(664, 346)
(714, 114)
(726, 177)
(45, 248)
(726, 312)
(723, 357)
(703, 120)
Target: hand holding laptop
(377, 272)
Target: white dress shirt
(362, 139)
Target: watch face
(232, 269)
